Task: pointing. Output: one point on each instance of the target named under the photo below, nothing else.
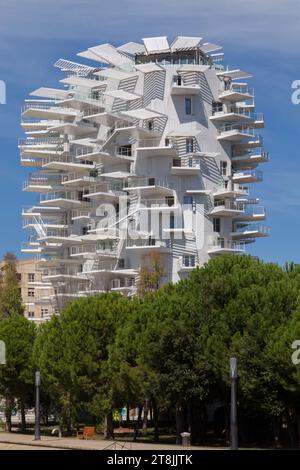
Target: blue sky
(261, 37)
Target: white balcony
(125, 284)
(235, 133)
(231, 115)
(66, 200)
(222, 246)
(78, 179)
(186, 166)
(245, 231)
(236, 92)
(227, 208)
(180, 86)
(148, 245)
(230, 191)
(41, 183)
(254, 157)
(252, 214)
(81, 214)
(66, 163)
(105, 190)
(247, 176)
(31, 248)
(156, 148)
(163, 204)
(148, 186)
(47, 111)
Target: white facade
(150, 149)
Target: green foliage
(10, 293)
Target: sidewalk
(71, 443)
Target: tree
(151, 273)
(16, 376)
(72, 353)
(10, 293)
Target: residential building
(152, 148)
(38, 296)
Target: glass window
(188, 106)
(188, 200)
(30, 292)
(223, 168)
(217, 224)
(189, 145)
(31, 277)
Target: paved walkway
(71, 443)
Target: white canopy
(108, 54)
(185, 42)
(148, 68)
(114, 73)
(142, 113)
(158, 44)
(122, 95)
(83, 82)
(132, 48)
(51, 93)
(234, 74)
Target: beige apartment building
(38, 296)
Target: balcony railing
(264, 229)
(82, 250)
(222, 243)
(249, 131)
(157, 202)
(237, 88)
(167, 143)
(141, 182)
(255, 174)
(186, 162)
(230, 205)
(30, 142)
(86, 150)
(141, 242)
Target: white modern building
(151, 148)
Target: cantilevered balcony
(42, 183)
(30, 248)
(63, 199)
(156, 148)
(180, 86)
(83, 251)
(79, 179)
(96, 154)
(148, 245)
(163, 204)
(227, 208)
(123, 284)
(252, 213)
(235, 133)
(105, 190)
(252, 157)
(247, 176)
(67, 163)
(69, 274)
(236, 92)
(245, 231)
(186, 166)
(148, 186)
(48, 110)
(231, 114)
(223, 246)
(230, 191)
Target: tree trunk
(140, 413)
(8, 410)
(109, 426)
(179, 423)
(155, 419)
(23, 416)
(145, 417)
(127, 413)
(291, 429)
(276, 425)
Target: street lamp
(233, 405)
(37, 427)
